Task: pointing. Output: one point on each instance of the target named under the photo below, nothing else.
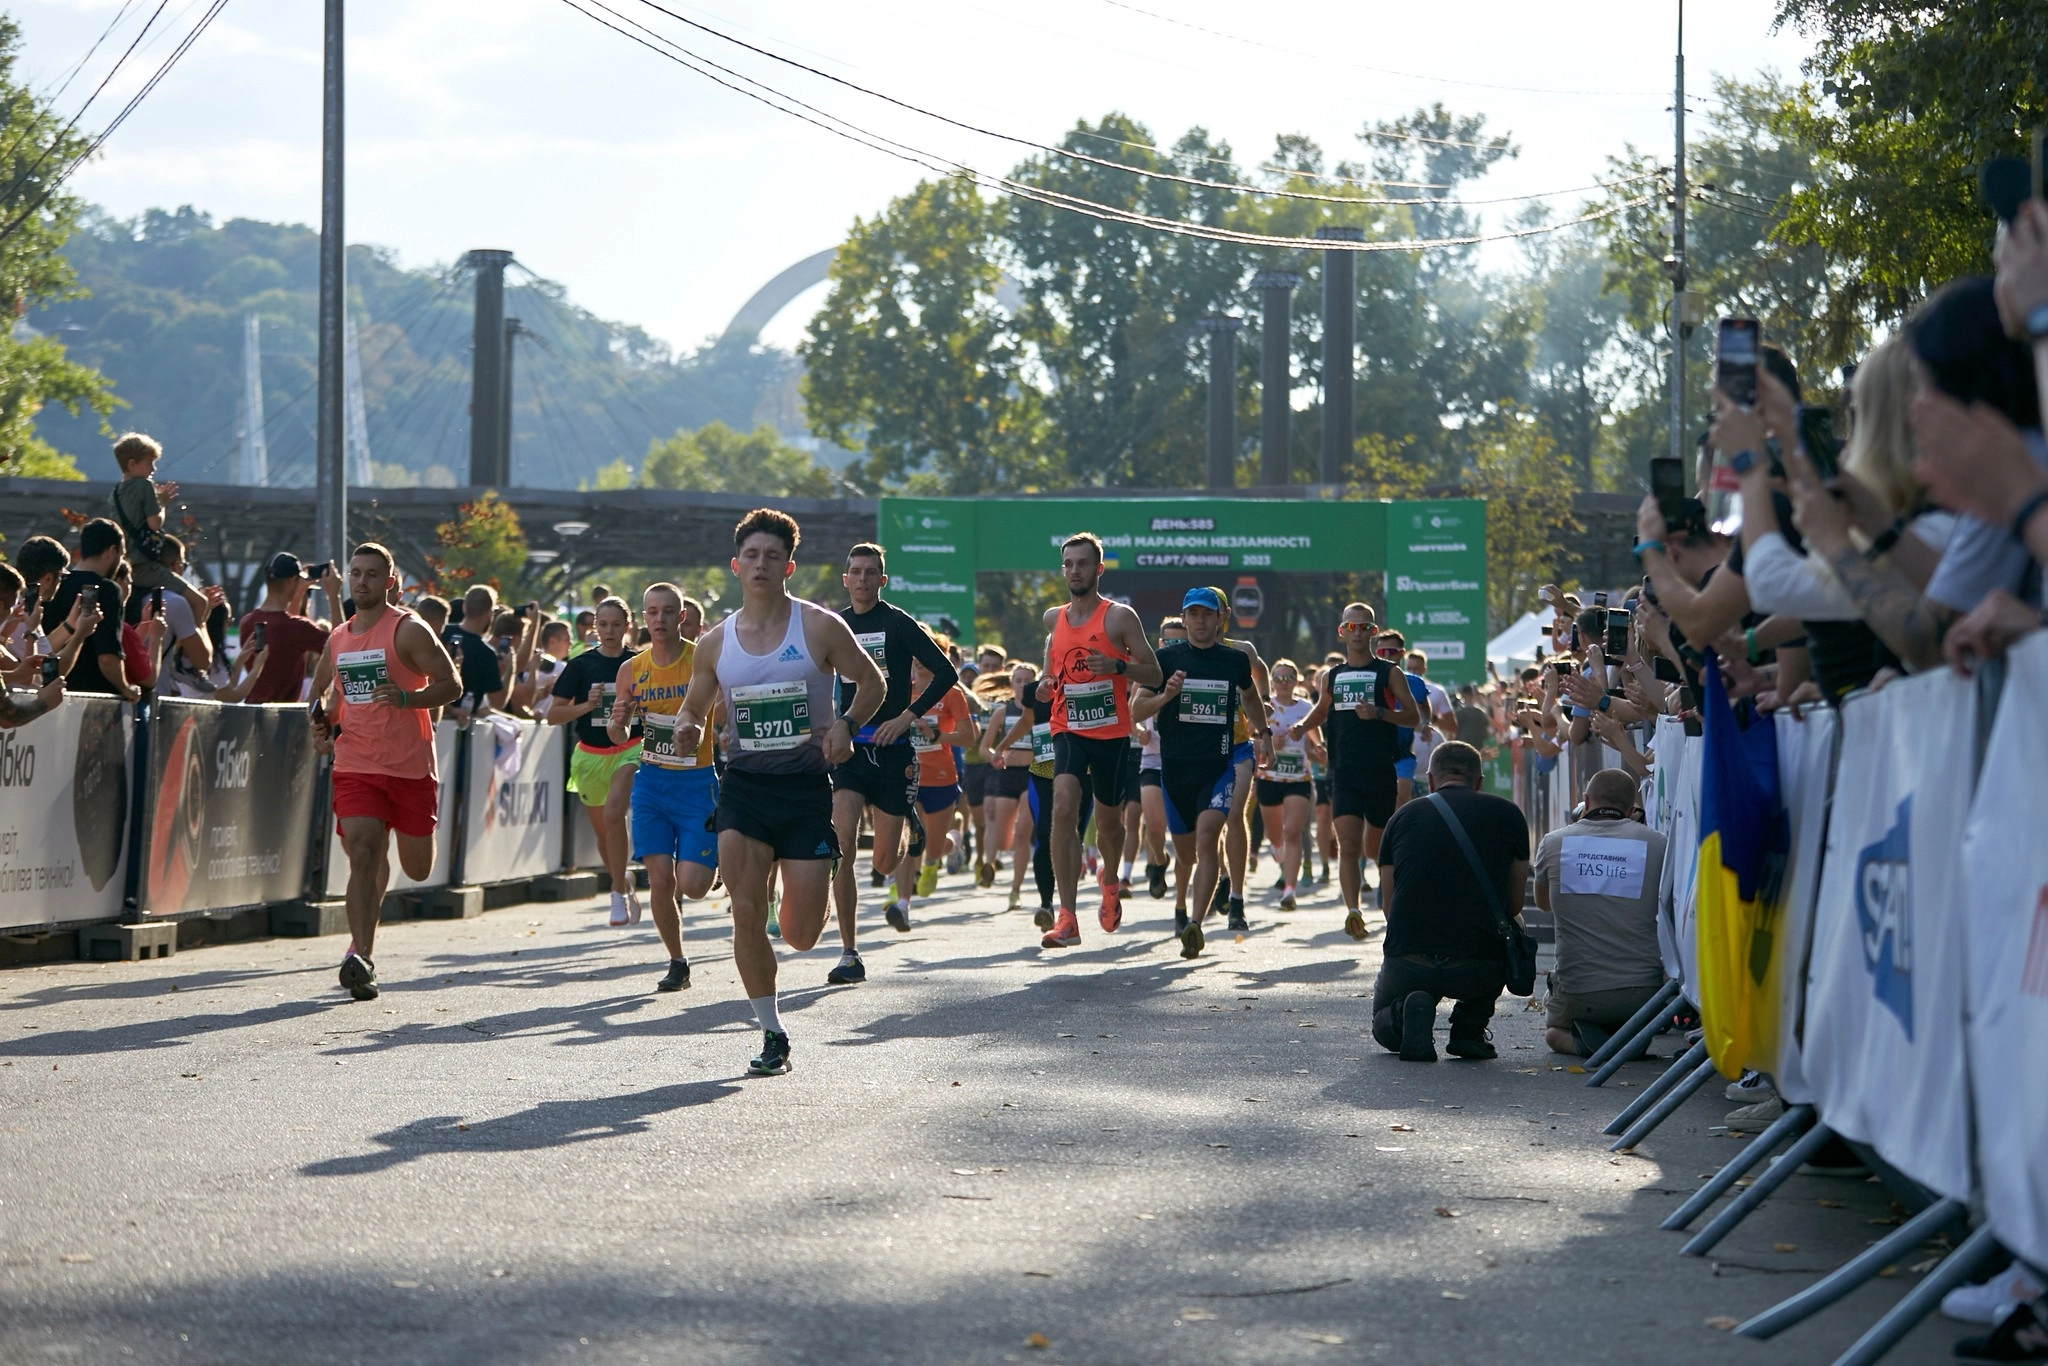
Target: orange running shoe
(1065, 932)
(1112, 913)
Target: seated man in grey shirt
(1598, 877)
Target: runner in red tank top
(378, 725)
(1096, 649)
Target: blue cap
(1202, 597)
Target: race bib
(1288, 766)
(1091, 706)
(362, 673)
(658, 742)
(1347, 690)
(767, 717)
(1593, 866)
(922, 743)
(1204, 701)
(1041, 743)
(876, 644)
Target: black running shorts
(1009, 784)
(974, 782)
(791, 813)
(884, 775)
(1149, 777)
(1101, 765)
(1370, 792)
(1322, 792)
(1273, 794)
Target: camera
(49, 669)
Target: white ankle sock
(1127, 869)
(766, 1012)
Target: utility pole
(1276, 379)
(513, 328)
(252, 460)
(1340, 323)
(330, 531)
(1674, 264)
(1222, 400)
(358, 419)
(487, 369)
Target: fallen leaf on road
(1888, 1219)
(1194, 1314)
(1145, 1216)
(1219, 1145)
(1047, 1275)
(1888, 1271)
(950, 1196)
(1574, 1067)
(1254, 1100)
(499, 1273)
(462, 1128)
(1922, 1268)
(1402, 1128)
(1784, 1247)
(1446, 1212)
(1832, 1204)
(1453, 1295)
(1328, 1339)
(967, 1171)
(1382, 1148)
(75, 1258)
(1063, 1036)
(405, 1285)
(1038, 1342)
(956, 1083)
(1722, 1322)
(1454, 1107)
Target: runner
(938, 783)
(675, 786)
(1207, 681)
(1032, 729)
(1237, 844)
(772, 663)
(1364, 698)
(1413, 743)
(1286, 788)
(1152, 797)
(1097, 650)
(1007, 744)
(881, 776)
(974, 775)
(392, 673)
(600, 771)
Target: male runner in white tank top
(774, 661)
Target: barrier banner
(1884, 1005)
(1678, 799)
(230, 805)
(512, 819)
(335, 878)
(64, 814)
(1806, 756)
(2005, 888)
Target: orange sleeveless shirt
(395, 741)
(1083, 704)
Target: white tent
(1517, 645)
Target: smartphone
(1735, 356)
(1563, 667)
(49, 669)
(28, 600)
(1817, 439)
(317, 572)
(521, 612)
(1616, 644)
(1665, 671)
(255, 640)
(156, 602)
(1667, 484)
(2005, 183)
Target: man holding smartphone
(280, 626)
(100, 667)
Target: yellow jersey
(658, 694)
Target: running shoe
(1471, 1047)
(621, 916)
(2019, 1336)
(1180, 919)
(1990, 1302)
(1112, 913)
(1016, 899)
(1354, 925)
(774, 1059)
(1280, 883)
(1418, 1028)
(1238, 924)
(928, 879)
(1155, 880)
(1752, 1089)
(1042, 917)
(1191, 940)
(849, 971)
(897, 916)
(678, 976)
(1123, 887)
(633, 910)
(875, 877)
(1287, 902)
(1749, 1119)
(1220, 899)
(775, 920)
(1065, 932)
(987, 877)
(359, 976)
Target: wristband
(1605, 701)
(1886, 539)
(1749, 639)
(2026, 514)
(1642, 546)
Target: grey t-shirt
(1981, 557)
(1602, 877)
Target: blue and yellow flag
(1745, 840)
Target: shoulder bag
(1517, 948)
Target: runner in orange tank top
(1095, 650)
(386, 672)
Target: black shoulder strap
(1457, 828)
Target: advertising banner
(64, 814)
(932, 559)
(1806, 756)
(230, 805)
(335, 879)
(2005, 893)
(1436, 584)
(1883, 1047)
(512, 816)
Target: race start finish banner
(1433, 553)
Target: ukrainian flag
(1745, 839)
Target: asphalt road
(521, 1153)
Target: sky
(663, 200)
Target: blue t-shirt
(1404, 743)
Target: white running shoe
(633, 905)
(1990, 1302)
(1753, 1088)
(621, 915)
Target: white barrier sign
(512, 821)
(64, 803)
(1805, 761)
(2005, 888)
(1884, 1007)
(336, 876)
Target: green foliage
(717, 459)
(1912, 98)
(483, 543)
(1527, 483)
(35, 149)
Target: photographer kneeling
(1598, 877)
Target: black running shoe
(2019, 1336)
(849, 971)
(1472, 1047)
(898, 918)
(1191, 940)
(1418, 1028)
(875, 877)
(1221, 899)
(678, 976)
(1155, 880)
(1180, 919)
(359, 977)
(1238, 923)
(774, 1058)
(1042, 917)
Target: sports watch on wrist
(2036, 322)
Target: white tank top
(778, 706)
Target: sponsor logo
(1404, 584)
(931, 523)
(914, 549)
(1440, 649)
(1884, 915)
(230, 765)
(17, 762)
(522, 804)
(790, 652)
(903, 585)
(1436, 547)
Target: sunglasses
(1350, 628)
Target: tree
(36, 149)
(1912, 98)
(484, 543)
(717, 459)
(1528, 486)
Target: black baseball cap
(284, 565)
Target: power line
(90, 52)
(72, 123)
